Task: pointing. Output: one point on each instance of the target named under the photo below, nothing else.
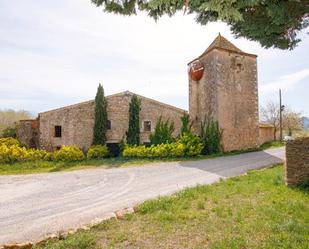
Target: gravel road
(32, 206)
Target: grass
(116, 162)
(271, 145)
(46, 166)
(252, 211)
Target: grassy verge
(271, 145)
(45, 166)
(252, 211)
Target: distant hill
(305, 122)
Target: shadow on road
(238, 164)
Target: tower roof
(222, 43)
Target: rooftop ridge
(221, 43)
(113, 95)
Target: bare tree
(271, 114)
(9, 117)
(291, 121)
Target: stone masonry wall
(297, 161)
(237, 100)
(28, 132)
(266, 134)
(228, 93)
(203, 94)
(77, 121)
(152, 110)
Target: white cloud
(56, 52)
(285, 82)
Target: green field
(252, 211)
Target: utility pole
(281, 110)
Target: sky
(55, 53)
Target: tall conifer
(134, 130)
(100, 121)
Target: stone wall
(28, 132)
(266, 133)
(203, 94)
(228, 93)
(77, 121)
(297, 161)
(237, 100)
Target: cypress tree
(100, 120)
(134, 130)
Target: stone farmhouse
(222, 86)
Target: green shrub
(121, 145)
(9, 132)
(186, 125)
(97, 152)
(9, 141)
(69, 154)
(49, 156)
(163, 132)
(211, 137)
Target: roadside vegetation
(15, 158)
(271, 145)
(256, 210)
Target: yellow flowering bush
(69, 154)
(15, 153)
(9, 141)
(178, 150)
(97, 152)
(11, 151)
(155, 151)
(187, 145)
(192, 144)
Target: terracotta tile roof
(222, 43)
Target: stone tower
(227, 92)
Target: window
(58, 131)
(108, 125)
(239, 67)
(147, 125)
